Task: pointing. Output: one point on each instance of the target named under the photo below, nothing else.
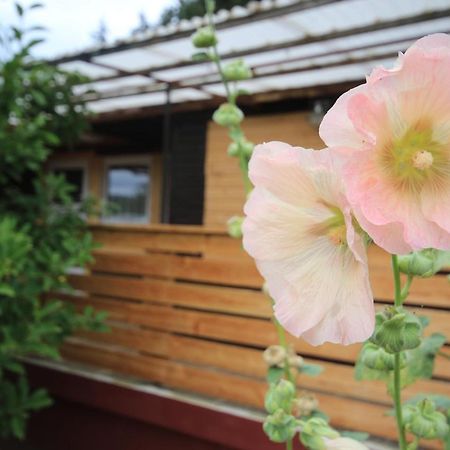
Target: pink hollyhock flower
(343, 443)
(299, 230)
(393, 133)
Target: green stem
(282, 340)
(397, 366)
(289, 445)
(397, 284)
(406, 287)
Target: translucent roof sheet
(289, 44)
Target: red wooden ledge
(96, 415)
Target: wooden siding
(224, 191)
(186, 312)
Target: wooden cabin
(182, 362)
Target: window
(127, 190)
(75, 174)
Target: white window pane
(128, 189)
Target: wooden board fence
(186, 312)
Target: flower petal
(294, 191)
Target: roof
(289, 44)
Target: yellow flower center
(415, 160)
(334, 227)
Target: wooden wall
(224, 192)
(186, 312)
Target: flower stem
(398, 300)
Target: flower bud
(274, 355)
(314, 431)
(397, 330)
(424, 263)
(233, 149)
(279, 426)
(295, 361)
(425, 422)
(234, 225)
(204, 37)
(236, 71)
(228, 115)
(247, 148)
(279, 396)
(304, 405)
(375, 357)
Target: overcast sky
(71, 23)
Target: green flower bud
(247, 148)
(242, 146)
(204, 37)
(234, 225)
(425, 422)
(279, 426)
(313, 432)
(228, 115)
(375, 357)
(397, 330)
(279, 396)
(424, 263)
(236, 71)
(233, 149)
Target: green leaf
(6, 290)
(274, 374)
(420, 361)
(311, 369)
(442, 402)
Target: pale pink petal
(336, 128)
(414, 97)
(432, 43)
(294, 189)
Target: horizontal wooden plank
(240, 271)
(214, 298)
(248, 361)
(226, 299)
(228, 272)
(208, 245)
(345, 412)
(255, 332)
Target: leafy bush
(42, 233)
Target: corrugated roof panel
(257, 37)
(89, 70)
(134, 59)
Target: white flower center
(422, 160)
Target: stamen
(422, 160)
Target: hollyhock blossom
(393, 133)
(300, 231)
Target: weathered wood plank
(255, 332)
(248, 361)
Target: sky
(71, 23)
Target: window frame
(73, 164)
(129, 160)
